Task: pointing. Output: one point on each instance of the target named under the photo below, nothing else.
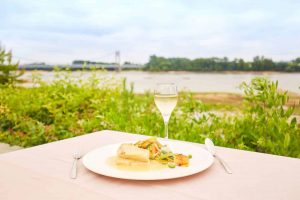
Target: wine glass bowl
(165, 98)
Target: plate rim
(149, 178)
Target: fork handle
(73, 174)
(224, 164)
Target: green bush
(66, 108)
(8, 70)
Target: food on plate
(132, 152)
(181, 160)
(133, 163)
(146, 152)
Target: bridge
(84, 64)
(108, 66)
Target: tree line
(259, 63)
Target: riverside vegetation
(259, 63)
(66, 108)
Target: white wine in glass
(165, 97)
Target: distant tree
(281, 66)
(294, 66)
(158, 63)
(257, 63)
(180, 63)
(8, 71)
(262, 63)
(242, 65)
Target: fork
(76, 156)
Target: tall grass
(67, 108)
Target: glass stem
(166, 129)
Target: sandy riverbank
(232, 98)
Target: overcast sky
(61, 31)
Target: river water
(189, 81)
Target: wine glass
(165, 98)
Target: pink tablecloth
(42, 172)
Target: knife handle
(224, 164)
(73, 174)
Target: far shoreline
(222, 72)
(162, 72)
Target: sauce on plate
(153, 165)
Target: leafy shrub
(67, 108)
(268, 126)
(8, 70)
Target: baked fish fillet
(129, 151)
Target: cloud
(59, 32)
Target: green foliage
(8, 70)
(157, 63)
(67, 108)
(272, 126)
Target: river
(189, 81)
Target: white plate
(96, 161)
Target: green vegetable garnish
(171, 165)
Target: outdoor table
(42, 172)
